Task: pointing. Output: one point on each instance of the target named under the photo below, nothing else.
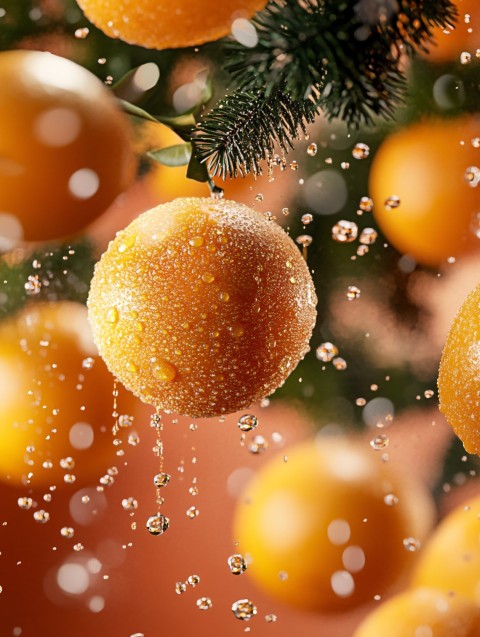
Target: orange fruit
(202, 307)
(423, 612)
(459, 377)
(463, 36)
(64, 147)
(425, 165)
(166, 24)
(451, 559)
(56, 398)
(329, 528)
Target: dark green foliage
(246, 127)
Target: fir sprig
(340, 57)
(246, 127)
(348, 53)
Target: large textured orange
(56, 399)
(202, 307)
(450, 560)
(459, 376)
(425, 166)
(423, 612)
(65, 151)
(166, 24)
(326, 529)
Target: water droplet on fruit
(112, 315)
(164, 371)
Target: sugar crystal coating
(202, 307)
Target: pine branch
(247, 127)
(346, 52)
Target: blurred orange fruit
(423, 612)
(65, 150)
(166, 24)
(459, 375)
(450, 561)
(328, 526)
(425, 197)
(56, 407)
(461, 37)
(202, 306)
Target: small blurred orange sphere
(57, 403)
(450, 561)
(423, 612)
(328, 527)
(461, 37)
(168, 24)
(65, 150)
(424, 202)
(459, 375)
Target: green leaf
(197, 170)
(136, 111)
(178, 155)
